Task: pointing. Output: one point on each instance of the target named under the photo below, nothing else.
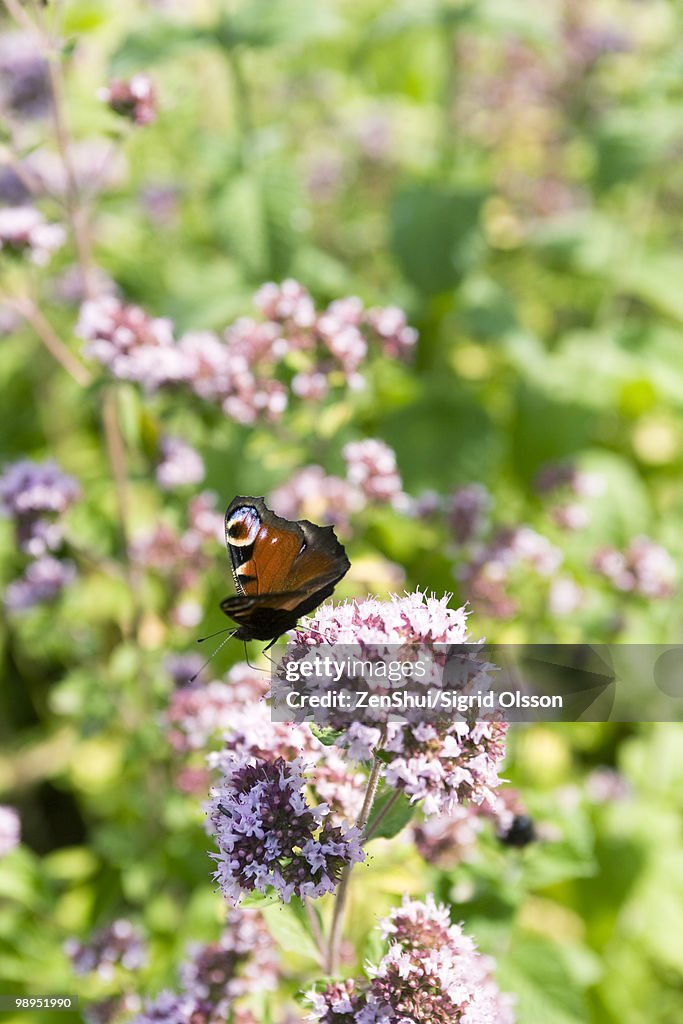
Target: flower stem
(116, 452)
(316, 930)
(342, 891)
(74, 207)
(30, 312)
(16, 11)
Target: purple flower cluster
(174, 1008)
(558, 475)
(269, 838)
(441, 768)
(467, 511)
(23, 231)
(114, 1008)
(43, 580)
(134, 99)
(439, 764)
(24, 76)
(605, 785)
(489, 574)
(10, 829)
(248, 732)
(431, 973)
(645, 568)
(13, 190)
(120, 944)
(242, 961)
(35, 494)
(241, 370)
(180, 464)
(212, 978)
(496, 562)
(236, 711)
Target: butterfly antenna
(213, 653)
(201, 639)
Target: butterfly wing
(282, 569)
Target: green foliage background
(543, 335)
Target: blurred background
(410, 269)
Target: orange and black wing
(282, 568)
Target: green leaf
(258, 900)
(288, 931)
(435, 234)
(262, 23)
(395, 819)
(156, 40)
(655, 278)
(241, 222)
(325, 734)
(536, 971)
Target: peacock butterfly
(282, 568)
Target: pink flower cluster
(573, 486)
(180, 465)
(645, 568)
(489, 575)
(10, 829)
(372, 477)
(371, 467)
(311, 494)
(431, 972)
(132, 345)
(452, 839)
(513, 89)
(250, 370)
(134, 98)
(181, 557)
(440, 763)
(23, 231)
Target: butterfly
(282, 568)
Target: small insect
(282, 569)
(521, 832)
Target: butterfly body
(282, 568)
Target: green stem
(342, 891)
